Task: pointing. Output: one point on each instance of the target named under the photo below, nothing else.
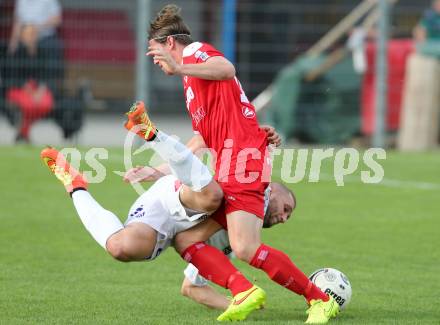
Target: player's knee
(243, 252)
(116, 249)
(212, 199)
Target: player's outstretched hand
(164, 60)
(142, 174)
(272, 136)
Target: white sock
(183, 163)
(100, 223)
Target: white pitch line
(386, 182)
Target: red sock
(281, 269)
(216, 267)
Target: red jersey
(220, 111)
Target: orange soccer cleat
(139, 122)
(58, 165)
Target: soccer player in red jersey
(225, 121)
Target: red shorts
(241, 197)
(245, 190)
(246, 197)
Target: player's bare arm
(215, 68)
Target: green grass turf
(386, 239)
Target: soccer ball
(334, 283)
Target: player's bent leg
(135, 242)
(99, 222)
(244, 230)
(276, 264)
(207, 200)
(204, 294)
(183, 163)
(196, 234)
(214, 265)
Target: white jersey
(160, 208)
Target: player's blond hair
(168, 22)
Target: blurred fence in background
(96, 71)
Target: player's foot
(243, 304)
(139, 122)
(59, 166)
(320, 311)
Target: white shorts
(160, 208)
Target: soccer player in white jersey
(157, 215)
(153, 222)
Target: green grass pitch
(386, 238)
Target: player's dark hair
(168, 22)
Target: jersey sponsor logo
(230, 197)
(138, 213)
(247, 112)
(198, 115)
(201, 55)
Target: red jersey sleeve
(199, 52)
